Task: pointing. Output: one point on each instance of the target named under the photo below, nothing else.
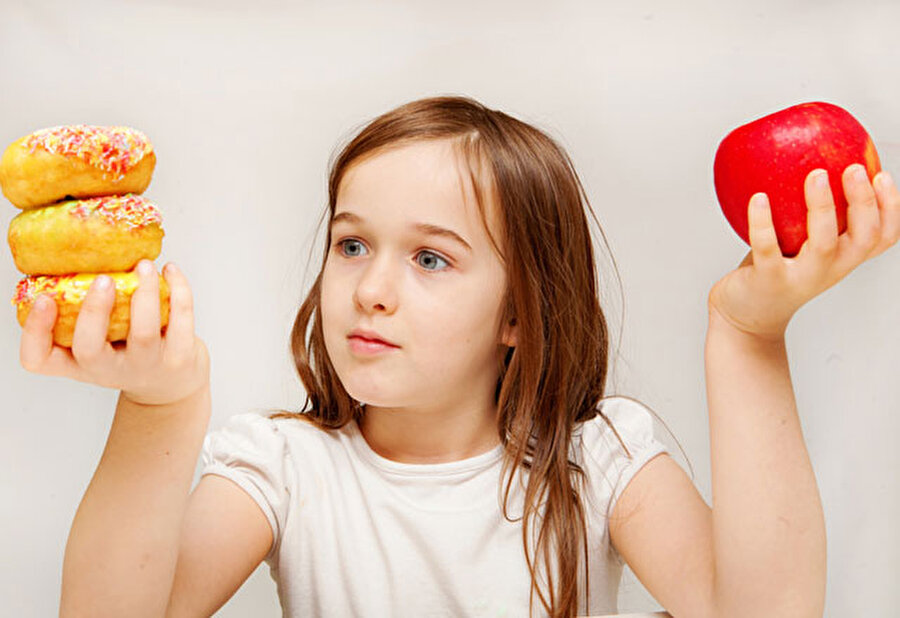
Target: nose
(376, 289)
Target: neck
(431, 435)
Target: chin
(367, 383)
(368, 388)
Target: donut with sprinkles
(76, 161)
(101, 234)
(69, 292)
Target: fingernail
(103, 282)
(885, 181)
(144, 267)
(821, 179)
(859, 173)
(759, 202)
(42, 303)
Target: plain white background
(245, 107)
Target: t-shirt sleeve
(611, 466)
(250, 451)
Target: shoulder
(614, 445)
(271, 458)
(622, 424)
(263, 438)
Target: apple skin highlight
(775, 153)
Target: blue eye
(343, 244)
(426, 264)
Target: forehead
(418, 182)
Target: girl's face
(410, 261)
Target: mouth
(364, 345)
(369, 340)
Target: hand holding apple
(763, 293)
(774, 155)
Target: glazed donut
(75, 161)
(69, 292)
(110, 233)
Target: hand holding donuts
(150, 369)
(80, 295)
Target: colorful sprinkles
(130, 210)
(112, 149)
(68, 288)
(29, 288)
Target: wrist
(721, 325)
(172, 401)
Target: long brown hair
(554, 377)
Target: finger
(821, 215)
(763, 240)
(889, 202)
(143, 330)
(863, 219)
(180, 331)
(37, 334)
(36, 350)
(89, 344)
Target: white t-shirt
(360, 535)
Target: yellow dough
(75, 161)
(69, 292)
(102, 234)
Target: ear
(510, 329)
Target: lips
(370, 336)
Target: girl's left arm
(768, 532)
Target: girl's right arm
(141, 544)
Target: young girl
(457, 456)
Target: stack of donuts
(79, 188)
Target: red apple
(775, 153)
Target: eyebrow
(426, 228)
